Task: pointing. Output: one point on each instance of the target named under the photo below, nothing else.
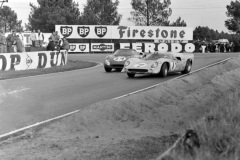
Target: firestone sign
(125, 32)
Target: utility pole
(3, 2)
(147, 13)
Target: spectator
(51, 46)
(3, 42)
(11, 42)
(64, 45)
(40, 38)
(57, 37)
(232, 46)
(33, 38)
(21, 37)
(222, 47)
(52, 37)
(19, 45)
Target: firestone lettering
(149, 33)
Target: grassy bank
(71, 65)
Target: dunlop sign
(125, 32)
(32, 60)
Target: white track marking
(36, 124)
(70, 113)
(13, 91)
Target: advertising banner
(78, 47)
(102, 47)
(163, 47)
(124, 32)
(32, 60)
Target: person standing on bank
(64, 45)
(11, 42)
(21, 37)
(3, 42)
(40, 38)
(57, 37)
(33, 38)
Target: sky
(211, 13)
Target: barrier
(32, 60)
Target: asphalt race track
(25, 101)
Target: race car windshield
(124, 53)
(156, 56)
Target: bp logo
(72, 47)
(83, 31)
(82, 47)
(101, 31)
(66, 31)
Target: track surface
(25, 101)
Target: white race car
(159, 63)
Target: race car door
(178, 59)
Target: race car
(159, 63)
(118, 58)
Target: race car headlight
(127, 63)
(154, 65)
(107, 62)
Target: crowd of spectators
(14, 42)
(216, 46)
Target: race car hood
(117, 59)
(140, 63)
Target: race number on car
(119, 59)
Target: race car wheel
(131, 75)
(164, 70)
(107, 69)
(187, 68)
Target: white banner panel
(79, 47)
(102, 47)
(32, 60)
(125, 32)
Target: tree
(233, 11)
(150, 12)
(53, 12)
(179, 22)
(9, 20)
(101, 12)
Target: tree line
(49, 13)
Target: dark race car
(118, 58)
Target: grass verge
(71, 65)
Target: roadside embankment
(140, 126)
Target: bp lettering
(66, 30)
(100, 31)
(83, 31)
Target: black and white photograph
(119, 79)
